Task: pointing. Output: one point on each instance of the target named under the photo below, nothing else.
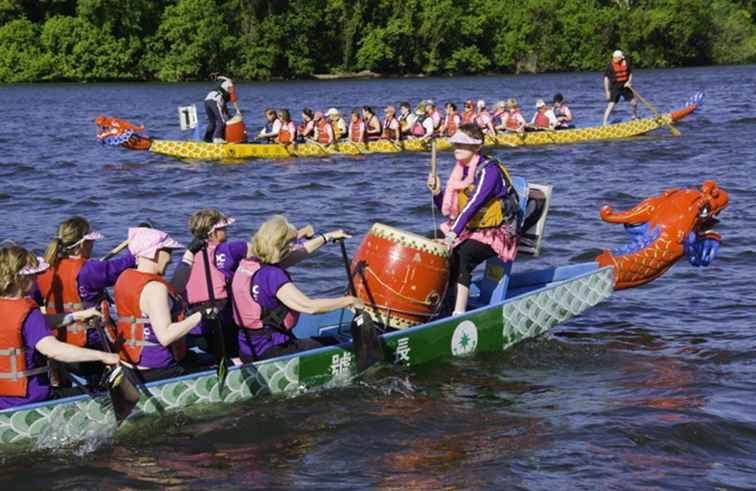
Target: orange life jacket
(286, 135)
(389, 132)
(451, 123)
(131, 324)
(373, 136)
(468, 116)
(323, 136)
(357, 131)
(621, 74)
(14, 376)
(513, 122)
(59, 287)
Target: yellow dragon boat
(123, 134)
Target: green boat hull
(494, 327)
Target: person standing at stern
(617, 79)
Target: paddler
(617, 79)
(337, 123)
(390, 125)
(324, 134)
(452, 120)
(267, 303)
(406, 119)
(74, 281)
(272, 126)
(484, 119)
(515, 121)
(500, 116)
(469, 114)
(288, 132)
(357, 132)
(432, 112)
(372, 124)
(307, 128)
(481, 206)
(217, 110)
(25, 338)
(562, 113)
(151, 337)
(423, 128)
(209, 228)
(543, 119)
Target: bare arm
(154, 302)
(311, 246)
(68, 353)
(606, 87)
(296, 300)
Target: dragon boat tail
(118, 132)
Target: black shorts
(617, 91)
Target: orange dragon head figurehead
(664, 228)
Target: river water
(652, 389)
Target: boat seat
(494, 283)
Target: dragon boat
(117, 132)
(505, 308)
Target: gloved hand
(196, 245)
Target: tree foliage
(175, 40)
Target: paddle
(219, 344)
(119, 382)
(123, 245)
(367, 346)
(434, 173)
(322, 147)
(675, 131)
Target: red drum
(236, 131)
(400, 276)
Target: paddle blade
(367, 345)
(123, 393)
(222, 372)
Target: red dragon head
(663, 228)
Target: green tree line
(90, 40)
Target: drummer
(23, 375)
(481, 206)
(266, 301)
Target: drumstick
(434, 173)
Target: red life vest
(468, 116)
(481, 118)
(247, 312)
(323, 135)
(389, 132)
(14, 376)
(196, 287)
(452, 125)
(59, 287)
(621, 74)
(132, 325)
(418, 129)
(357, 131)
(513, 122)
(541, 121)
(287, 133)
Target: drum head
(409, 239)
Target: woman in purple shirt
(25, 339)
(481, 206)
(265, 300)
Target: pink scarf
(456, 183)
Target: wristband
(325, 239)
(68, 319)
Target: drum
(236, 131)
(400, 276)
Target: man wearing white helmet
(617, 79)
(337, 122)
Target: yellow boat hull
(196, 150)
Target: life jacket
(513, 122)
(287, 133)
(388, 132)
(14, 376)
(132, 327)
(269, 128)
(303, 128)
(323, 132)
(59, 287)
(621, 73)
(418, 129)
(468, 116)
(436, 116)
(451, 123)
(247, 312)
(376, 136)
(404, 126)
(499, 117)
(541, 121)
(357, 131)
(196, 287)
(480, 119)
(496, 211)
